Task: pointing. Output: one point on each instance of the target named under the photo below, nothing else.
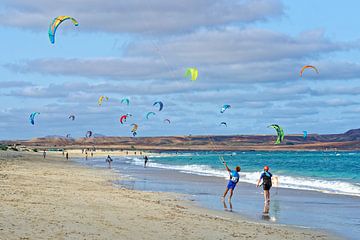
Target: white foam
(301, 183)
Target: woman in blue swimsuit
(234, 179)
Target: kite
(55, 24)
(32, 117)
(88, 134)
(192, 72)
(148, 114)
(134, 129)
(101, 99)
(223, 123)
(72, 117)
(161, 105)
(226, 106)
(125, 100)
(308, 66)
(123, 118)
(305, 134)
(280, 133)
(167, 120)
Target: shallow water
(336, 213)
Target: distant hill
(349, 140)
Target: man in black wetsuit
(146, 159)
(109, 160)
(266, 183)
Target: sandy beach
(57, 199)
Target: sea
(319, 190)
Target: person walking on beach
(266, 183)
(67, 156)
(234, 179)
(109, 160)
(44, 154)
(146, 159)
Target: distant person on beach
(109, 160)
(86, 155)
(44, 154)
(92, 154)
(67, 156)
(266, 183)
(146, 159)
(234, 179)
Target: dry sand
(57, 199)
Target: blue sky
(248, 53)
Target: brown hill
(349, 140)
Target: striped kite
(55, 24)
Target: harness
(234, 179)
(266, 178)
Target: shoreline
(80, 202)
(292, 207)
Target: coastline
(56, 199)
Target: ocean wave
(300, 183)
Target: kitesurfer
(234, 179)
(109, 160)
(146, 159)
(266, 183)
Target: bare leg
(231, 193)
(225, 207)
(226, 191)
(230, 206)
(266, 201)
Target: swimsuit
(266, 177)
(234, 179)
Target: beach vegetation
(3, 147)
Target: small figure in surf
(67, 156)
(44, 154)
(109, 160)
(266, 183)
(234, 179)
(146, 159)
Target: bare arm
(258, 183)
(227, 168)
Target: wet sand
(57, 199)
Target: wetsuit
(234, 179)
(266, 178)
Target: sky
(248, 53)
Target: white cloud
(138, 16)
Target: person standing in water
(67, 156)
(109, 160)
(44, 154)
(234, 179)
(266, 183)
(146, 159)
